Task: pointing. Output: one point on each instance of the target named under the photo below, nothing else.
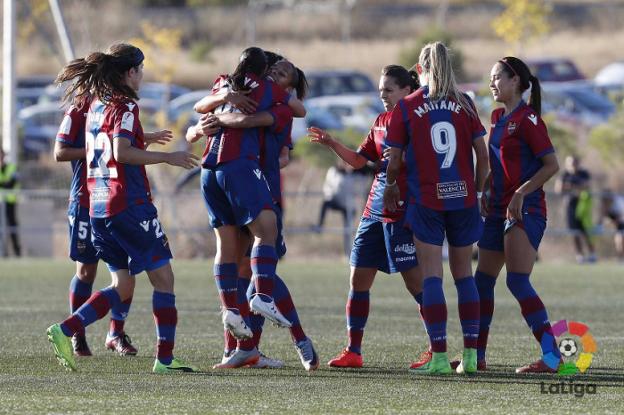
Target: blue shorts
(495, 228)
(80, 246)
(388, 247)
(462, 227)
(132, 239)
(235, 192)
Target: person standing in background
(574, 184)
(9, 184)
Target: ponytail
(301, 85)
(516, 67)
(436, 63)
(402, 77)
(252, 60)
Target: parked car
(354, 111)
(612, 74)
(181, 108)
(554, 70)
(38, 125)
(338, 82)
(576, 103)
(29, 89)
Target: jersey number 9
(444, 141)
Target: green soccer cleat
(175, 366)
(438, 365)
(62, 347)
(468, 364)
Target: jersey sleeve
(73, 122)
(218, 83)
(126, 121)
(368, 148)
(397, 127)
(282, 117)
(535, 133)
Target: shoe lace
(304, 347)
(125, 341)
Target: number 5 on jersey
(99, 154)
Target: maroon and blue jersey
(72, 133)
(114, 186)
(517, 143)
(372, 148)
(272, 140)
(438, 138)
(235, 143)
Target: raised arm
(237, 99)
(354, 159)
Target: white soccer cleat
(307, 354)
(269, 311)
(235, 324)
(265, 362)
(238, 359)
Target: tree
(522, 20)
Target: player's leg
(521, 242)
(80, 289)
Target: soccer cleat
(235, 324)
(239, 358)
(347, 358)
(423, 359)
(80, 346)
(438, 365)
(307, 354)
(468, 364)
(175, 366)
(62, 347)
(481, 365)
(536, 367)
(265, 362)
(269, 311)
(226, 355)
(121, 344)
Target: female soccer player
(70, 146)
(381, 242)
(522, 159)
(125, 229)
(439, 128)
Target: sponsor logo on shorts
(145, 225)
(405, 258)
(258, 173)
(452, 190)
(409, 249)
(81, 246)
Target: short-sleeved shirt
(234, 143)
(438, 138)
(114, 186)
(72, 133)
(372, 148)
(272, 140)
(517, 143)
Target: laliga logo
(569, 347)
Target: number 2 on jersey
(444, 142)
(99, 154)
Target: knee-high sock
(284, 303)
(358, 306)
(243, 306)
(119, 314)
(532, 308)
(434, 310)
(263, 265)
(485, 286)
(226, 278)
(79, 293)
(468, 305)
(256, 320)
(166, 319)
(96, 307)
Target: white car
(357, 111)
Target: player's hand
(392, 198)
(318, 135)
(182, 159)
(514, 210)
(158, 137)
(483, 203)
(386, 154)
(208, 124)
(239, 100)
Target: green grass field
(34, 295)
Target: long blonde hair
(435, 61)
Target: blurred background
(575, 47)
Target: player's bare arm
(124, 152)
(392, 195)
(320, 136)
(65, 152)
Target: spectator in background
(574, 184)
(338, 193)
(8, 187)
(612, 207)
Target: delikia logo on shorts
(576, 345)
